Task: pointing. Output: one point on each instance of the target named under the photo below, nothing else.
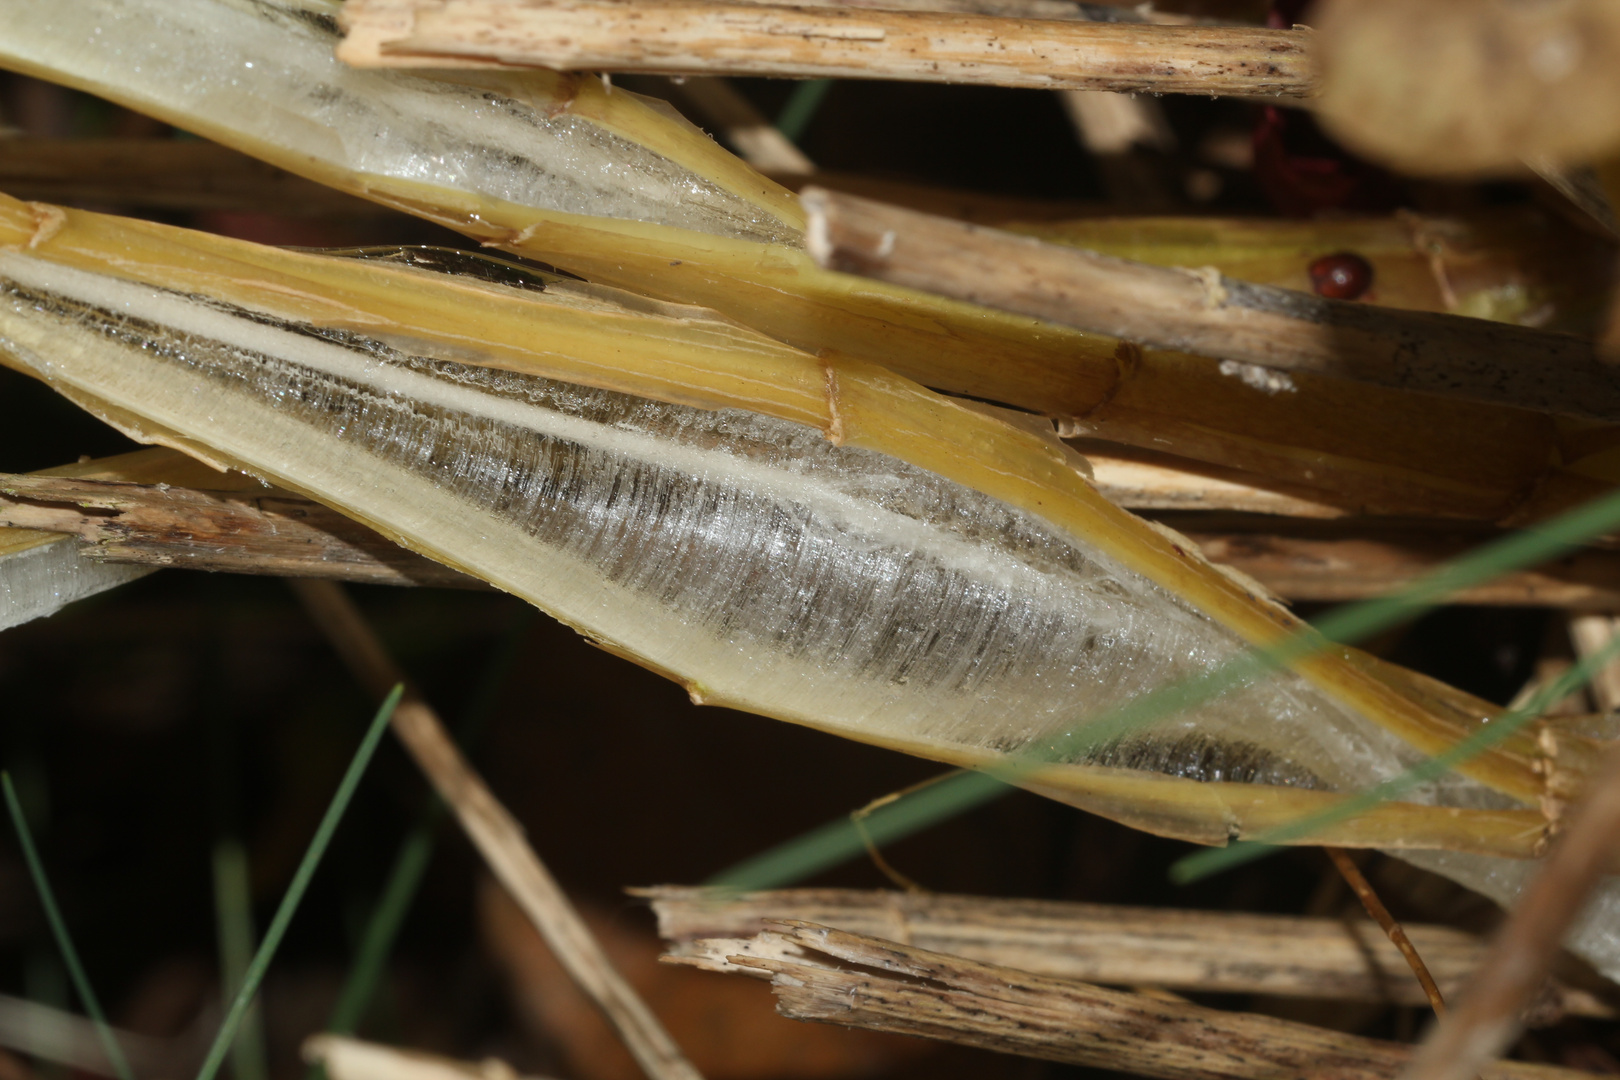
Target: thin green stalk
(233, 914)
(70, 955)
(839, 841)
(382, 930)
(1204, 863)
(801, 107)
(416, 852)
(295, 891)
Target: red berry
(1344, 275)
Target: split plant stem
(300, 882)
(64, 941)
(697, 37)
(1205, 312)
(498, 836)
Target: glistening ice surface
(40, 581)
(265, 69)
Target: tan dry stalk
(738, 123)
(150, 466)
(837, 977)
(696, 37)
(497, 835)
(65, 1038)
(242, 531)
(1511, 264)
(355, 1059)
(1188, 951)
(1012, 9)
(1393, 930)
(1256, 330)
(1358, 562)
(1488, 1015)
(1590, 634)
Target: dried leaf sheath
(607, 186)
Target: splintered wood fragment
(354, 1059)
(837, 977)
(1210, 952)
(1488, 1015)
(1259, 332)
(496, 834)
(167, 174)
(238, 532)
(696, 37)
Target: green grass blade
(295, 891)
(382, 929)
(70, 955)
(416, 851)
(838, 841)
(233, 915)
(801, 107)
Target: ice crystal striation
(264, 70)
(41, 580)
